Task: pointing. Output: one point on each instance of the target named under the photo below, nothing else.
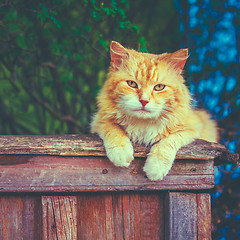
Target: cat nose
(143, 102)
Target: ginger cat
(145, 100)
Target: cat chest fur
(144, 133)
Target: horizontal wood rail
(70, 163)
(91, 145)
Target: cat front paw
(121, 156)
(156, 168)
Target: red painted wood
(31, 173)
(204, 216)
(106, 215)
(20, 217)
(59, 217)
(120, 216)
(94, 209)
(91, 145)
(143, 216)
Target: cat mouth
(142, 110)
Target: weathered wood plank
(182, 214)
(143, 216)
(91, 145)
(204, 216)
(94, 220)
(31, 173)
(117, 216)
(188, 216)
(59, 217)
(20, 217)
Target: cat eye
(159, 87)
(132, 84)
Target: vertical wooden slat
(181, 213)
(109, 216)
(19, 217)
(143, 216)
(59, 217)
(94, 217)
(117, 216)
(128, 216)
(152, 216)
(204, 216)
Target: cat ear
(179, 58)
(118, 54)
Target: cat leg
(117, 144)
(162, 154)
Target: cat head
(144, 85)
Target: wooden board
(188, 216)
(121, 216)
(59, 217)
(41, 173)
(46, 167)
(91, 145)
(106, 215)
(20, 217)
(86, 216)
(182, 214)
(204, 216)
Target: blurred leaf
(55, 56)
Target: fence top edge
(92, 145)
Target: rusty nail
(104, 171)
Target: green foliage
(54, 59)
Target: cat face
(142, 99)
(145, 85)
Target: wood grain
(117, 216)
(33, 173)
(59, 217)
(91, 145)
(188, 216)
(20, 217)
(204, 216)
(182, 216)
(92, 208)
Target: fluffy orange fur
(145, 100)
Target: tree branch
(44, 105)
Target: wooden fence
(64, 187)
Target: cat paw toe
(155, 169)
(121, 156)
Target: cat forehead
(149, 60)
(148, 57)
(148, 67)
